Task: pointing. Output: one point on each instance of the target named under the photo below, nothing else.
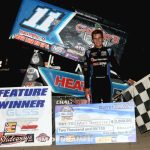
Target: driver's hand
(130, 82)
(88, 95)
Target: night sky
(133, 19)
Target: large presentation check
(95, 123)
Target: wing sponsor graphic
(41, 25)
(63, 32)
(79, 30)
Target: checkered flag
(140, 94)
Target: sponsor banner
(63, 32)
(23, 111)
(95, 123)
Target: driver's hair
(97, 31)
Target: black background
(132, 18)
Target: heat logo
(69, 83)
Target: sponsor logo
(31, 35)
(10, 127)
(103, 64)
(58, 49)
(67, 113)
(94, 53)
(99, 59)
(31, 73)
(63, 102)
(13, 139)
(69, 83)
(29, 127)
(108, 38)
(76, 52)
(43, 137)
(32, 83)
(103, 53)
(84, 29)
(23, 112)
(31, 70)
(80, 47)
(72, 56)
(70, 100)
(32, 41)
(47, 18)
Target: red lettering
(19, 37)
(69, 83)
(42, 45)
(77, 85)
(60, 81)
(82, 85)
(29, 40)
(116, 39)
(84, 29)
(47, 46)
(37, 43)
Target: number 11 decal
(41, 20)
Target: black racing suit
(97, 73)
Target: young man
(97, 70)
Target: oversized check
(25, 115)
(95, 123)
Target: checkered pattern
(140, 94)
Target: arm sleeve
(86, 70)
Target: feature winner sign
(95, 123)
(25, 114)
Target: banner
(26, 117)
(95, 123)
